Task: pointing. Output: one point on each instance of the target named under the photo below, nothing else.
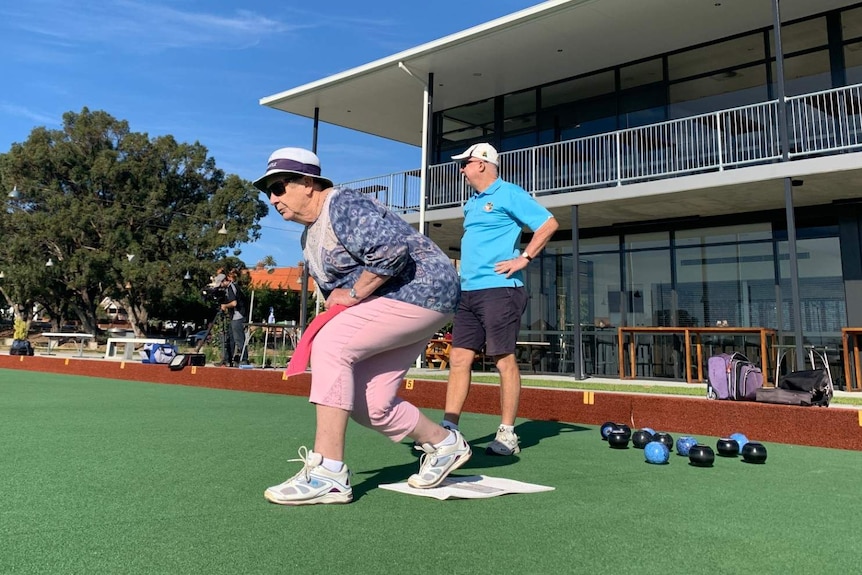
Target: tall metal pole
(303, 297)
(575, 300)
(426, 115)
(796, 304)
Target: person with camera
(388, 289)
(232, 304)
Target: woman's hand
(341, 296)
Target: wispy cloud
(26, 113)
(132, 25)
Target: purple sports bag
(733, 376)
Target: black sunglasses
(465, 163)
(278, 188)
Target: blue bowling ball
(740, 439)
(656, 453)
(684, 445)
(606, 429)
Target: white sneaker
(439, 462)
(505, 443)
(313, 484)
(445, 425)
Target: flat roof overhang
(541, 44)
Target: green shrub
(21, 329)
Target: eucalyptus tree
(121, 215)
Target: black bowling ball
(727, 447)
(623, 428)
(701, 455)
(618, 439)
(641, 438)
(665, 439)
(606, 428)
(754, 452)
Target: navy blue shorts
(490, 318)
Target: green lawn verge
(695, 391)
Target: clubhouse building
(704, 170)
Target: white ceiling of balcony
(547, 42)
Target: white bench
(55, 339)
(128, 344)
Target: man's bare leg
(460, 363)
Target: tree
(121, 215)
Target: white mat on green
(470, 487)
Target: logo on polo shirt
(489, 206)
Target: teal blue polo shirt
(493, 221)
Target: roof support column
(303, 297)
(427, 89)
(783, 129)
(575, 301)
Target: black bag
(181, 360)
(806, 387)
(21, 347)
(815, 382)
(783, 396)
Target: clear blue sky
(197, 70)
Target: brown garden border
(814, 426)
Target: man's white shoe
(505, 443)
(439, 462)
(313, 484)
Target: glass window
(723, 90)
(600, 285)
(578, 108)
(821, 289)
(648, 286)
(648, 72)
(471, 122)
(853, 62)
(603, 244)
(851, 24)
(727, 54)
(596, 116)
(648, 240)
(741, 233)
(733, 283)
(801, 35)
(806, 73)
(578, 89)
(644, 105)
(519, 121)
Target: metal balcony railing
(819, 123)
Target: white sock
(332, 465)
(449, 425)
(509, 428)
(450, 440)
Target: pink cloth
(302, 353)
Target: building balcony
(819, 124)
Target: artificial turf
(110, 476)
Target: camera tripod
(227, 354)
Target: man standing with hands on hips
(493, 296)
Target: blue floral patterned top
(355, 233)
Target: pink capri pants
(360, 357)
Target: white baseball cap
(483, 151)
